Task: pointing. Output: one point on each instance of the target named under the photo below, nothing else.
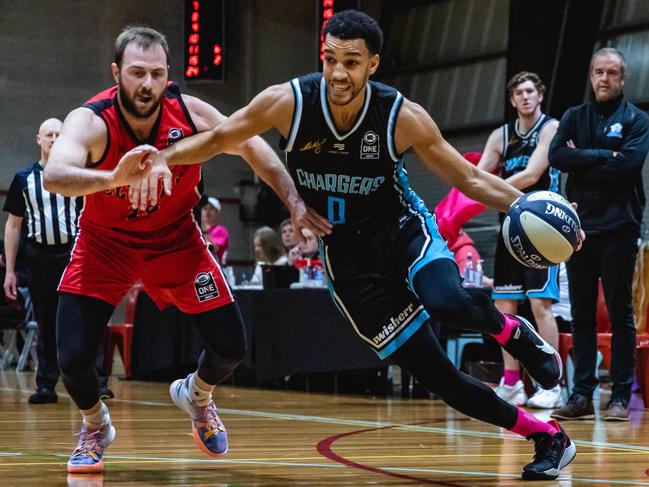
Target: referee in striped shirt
(50, 228)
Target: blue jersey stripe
(297, 114)
(392, 124)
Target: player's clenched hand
(305, 217)
(145, 193)
(133, 166)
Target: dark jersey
(517, 149)
(354, 176)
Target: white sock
(97, 419)
(199, 396)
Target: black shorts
(513, 280)
(370, 278)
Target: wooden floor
(282, 438)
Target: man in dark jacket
(602, 146)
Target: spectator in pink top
(216, 234)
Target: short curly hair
(352, 24)
(522, 77)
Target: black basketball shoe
(541, 360)
(551, 454)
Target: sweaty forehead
(345, 46)
(152, 57)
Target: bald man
(50, 230)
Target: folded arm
(570, 159)
(626, 163)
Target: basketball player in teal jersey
(345, 137)
(519, 150)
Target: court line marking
(325, 448)
(130, 460)
(374, 424)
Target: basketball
(541, 229)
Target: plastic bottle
(468, 271)
(477, 278)
(318, 276)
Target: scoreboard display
(326, 10)
(203, 43)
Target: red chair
(120, 335)
(601, 318)
(604, 346)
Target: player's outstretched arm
(271, 108)
(82, 140)
(262, 114)
(416, 129)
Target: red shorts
(174, 265)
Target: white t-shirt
(562, 308)
(257, 277)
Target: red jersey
(111, 208)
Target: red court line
(324, 449)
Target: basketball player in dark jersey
(519, 151)
(388, 268)
(158, 243)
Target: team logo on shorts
(205, 286)
(370, 145)
(174, 136)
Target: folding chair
(30, 331)
(12, 321)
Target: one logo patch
(205, 286)
(174, 135)
(370, 145)
(615, 130)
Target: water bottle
(477, 278)
(228, 272)
(318, 276)
(468, 271)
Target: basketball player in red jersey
(158, 242)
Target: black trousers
(610, 256)
(45, 265)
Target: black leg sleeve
(80, 325)
(438, 287)
(223, 335)
(423, 357)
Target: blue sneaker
(87, 457)
(207, 429)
